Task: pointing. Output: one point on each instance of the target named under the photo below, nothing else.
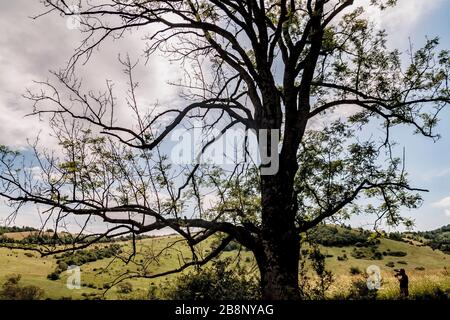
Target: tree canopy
(273, 66)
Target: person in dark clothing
(404, 282)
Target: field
(95, 275)
(428, 269)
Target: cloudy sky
(30, 48)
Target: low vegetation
(81, 257)
(13, 290)
(326, 272)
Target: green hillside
(437, 239)
(347, 258)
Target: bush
(355, 271)
(124, 288)
(12, 290)
(377, 256)
(62, 266)
(55, 275)
(360, 291)
(214, 283)
(29, 254)
(91, 296)
(420, 268)
(390, 264)
(358, 254)
(395, 236)
(397, 253)
(342, 258)
(314, 285)
(402, 262)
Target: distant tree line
(51, 238)
(437, 239)
(15, 229)
(338, 236)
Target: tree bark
(279, 250)
(278, 266)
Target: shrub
(29, 254)
(342, 258)
(355, 271)
(12, 290)
(377, 256)
(357, 254)
(216, 282)
(402, 262)
(62, 266)
(360, 291)
(313, 286)
(124, 287)
(390, 264)
(397, 253)
(55, 275)
(91, 296)
(420, 268)
(395, 236)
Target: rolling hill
(348, 253)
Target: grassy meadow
(428, 269)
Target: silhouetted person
(403, 279)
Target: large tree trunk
(279, 252)
(278, 265)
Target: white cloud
(30, 48)
(443, 173)
(443, 203)
(404, 17)
(432, 174)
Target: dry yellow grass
(420, 283)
